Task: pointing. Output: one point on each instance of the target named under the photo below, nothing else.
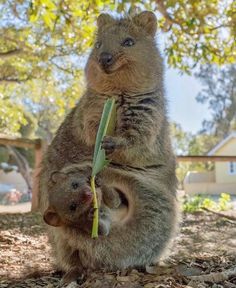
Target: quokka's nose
(87, 196)
(105, 59)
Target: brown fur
(143, 165)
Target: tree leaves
(45, 9)
(220, 94)
(207, 25)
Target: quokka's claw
(109, 145)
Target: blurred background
(44, 45)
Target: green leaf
(105, 119)
(100, 162)
(112, 121)
(34, 16)
(107, 123)
(49, 19)
(49, 4)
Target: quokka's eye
(73, 207)
(97, 45)
(128, 42)
(75, 185)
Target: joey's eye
(72, 206)
(97, 45)
(75, 185)
(128, 42)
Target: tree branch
(14, 80)
(220, 26)
(230, 217)
(62, 68)
(170, 20)
(162, 9)
(23, 166)
(16, 41)
(215, 277)
(10, 53)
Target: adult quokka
(134, 77)
(125, 64)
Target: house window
(232, 168)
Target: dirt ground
(205, 247)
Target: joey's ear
(148, 21)
(51, 217)
(57, 175)
(104, 19)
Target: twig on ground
(230, 217)
(215, 277)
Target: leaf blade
(102, 129)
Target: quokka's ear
(104, 19)
(51, 217)
(148, 21)
(57, 175)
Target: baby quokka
(71, 201)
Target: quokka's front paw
(104, 221)
(110, 144)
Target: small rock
(152, 269)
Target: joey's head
(70, 200)
(125, 58)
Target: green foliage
(195, 26)
(224, 202)
(191, 144)
(219, 94)
(197, 203)
(181, 139)
(37, 107)
(192, 204)
(11, 116)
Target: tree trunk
(23, 167)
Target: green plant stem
(95, 206)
